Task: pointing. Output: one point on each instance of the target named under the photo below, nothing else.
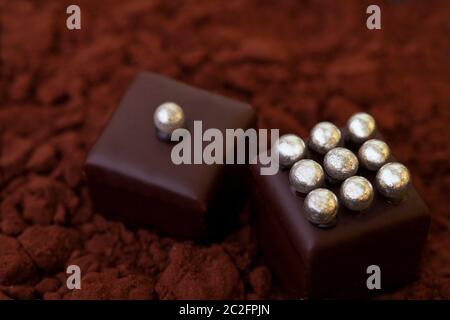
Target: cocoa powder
(296, 62)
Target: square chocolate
(132, 178)
(332, 263)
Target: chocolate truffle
(132, 178)
(332, 263)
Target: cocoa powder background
(297, 62)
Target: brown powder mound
(199, 273)
(50, 246)
(20, 292)
(12, 223)
(107, 285)
(15, 265)
(45, 201)
(47, 285)
(14, 154)
(297, 62)
(43, 159)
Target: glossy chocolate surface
(132, 178)
(332, 263)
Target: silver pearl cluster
(306, 175)
(356, 193)
(168, 117)
(393, 181)
(340, 163)
(361, 127)
(373, 154)
(290, 149)
(321, 207)
(324, 137)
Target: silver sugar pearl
(306, 175)
(373, 154)
(324, 137)
(321, 207)
(393, 180)
(356, 193)
(361, 127)
(168, 117)
(340, 163)
(290, 148)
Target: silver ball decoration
(340, 163)
(321, 207)
(373, 154)
(356, 193)
(168, 117)
(324, 137)
(306, 175)
(290, 149)
(361, 127)
(393, 180)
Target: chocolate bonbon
(332, 262)
(131, 176)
